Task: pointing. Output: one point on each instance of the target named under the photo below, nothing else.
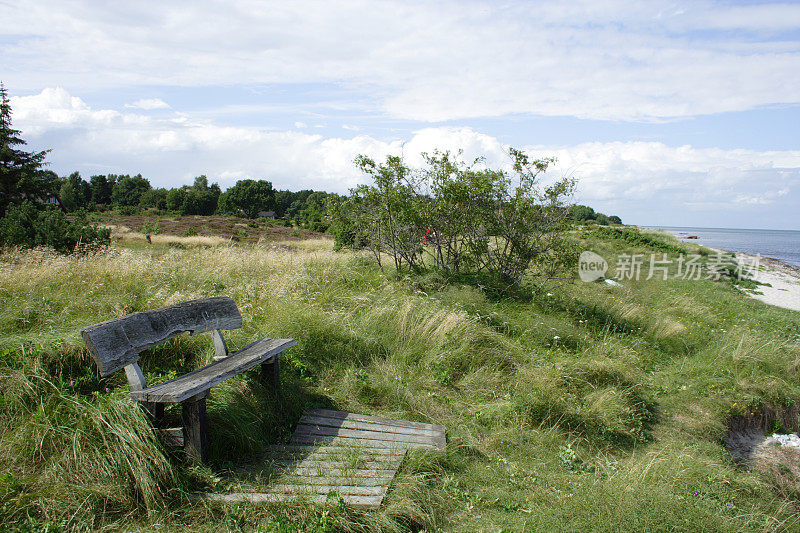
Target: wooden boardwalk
(354, 456)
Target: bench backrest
(117, 343)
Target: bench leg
(271, 372)
(195, 428)
(154, 412)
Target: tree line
(461, 218)
(129, 195)
(30, 194)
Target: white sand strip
(783, 278)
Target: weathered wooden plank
(344, 446)
(370, 426)
(325, 489)
(360, 502)
(172, 437)
(325, 462)
(337, 480)
(271, 373)
(202, 379)
(344, 415)
(330, 471)
(195, 428)
(305, 429)
(325, 439)
(135, 377)
(220, 346)
(118, 342)
(355, 458)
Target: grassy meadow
(585, 407)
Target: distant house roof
(55, 200)
(52, 199)
(266, 214)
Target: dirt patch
(749, 434)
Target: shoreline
(783, 279)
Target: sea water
(778, 244)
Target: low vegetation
(460, 220)
(587, 407)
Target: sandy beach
(783, 279)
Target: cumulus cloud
(632, 179)
(149, 103)
(620, 60)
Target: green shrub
(634, 237)
(126, 210)
(151, 228)
(462, 219)
(26, 226)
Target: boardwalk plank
(355, 456)
(328, 431)
(361, 502)
(344, 415)
(366, 443)
(369, 426)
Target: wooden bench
(117, 344)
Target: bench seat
(202, 379)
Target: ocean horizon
(783, 245)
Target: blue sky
(667, 113)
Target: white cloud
(149, 103)
(638, 179)
(617, 60)
(652, 171)
(300, 125)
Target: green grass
(584, 408)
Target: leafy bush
(126, 210)
(634, 237)
(151, 228)
(462, 219)
(26, 226)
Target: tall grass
(588, 407)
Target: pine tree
(21, 175)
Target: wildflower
(556, 337)
(730, 505)
(72, 383)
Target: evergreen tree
(21, 175)
(101, 190)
